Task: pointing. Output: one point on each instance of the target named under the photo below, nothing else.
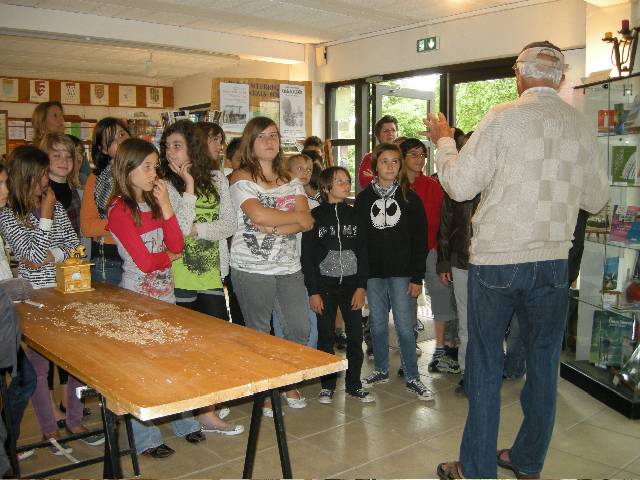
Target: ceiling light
(150, 67)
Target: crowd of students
(277, 234)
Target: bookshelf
(601, 343)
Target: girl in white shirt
(265, 261)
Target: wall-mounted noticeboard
(288, 103)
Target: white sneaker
(295, 402)
(228, 430)
(223, 413)
(268, 412)
(26, 454)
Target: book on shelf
(622, 220)
(612, 276)
(624, 165)
(612, 337)
(599, 222)
(631, 123)
(605, 121)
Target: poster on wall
(38, 91)
(8, 90)
(292, 109)
(234, 104)
(70, 93)
(270, 110)
(4, 125)
(154, 97)
(127, 95)
(99, 94)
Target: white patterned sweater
(536, 162)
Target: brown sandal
(509, 466)
(450, 470)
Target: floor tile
(634, 466)
(415, 420)
(593, 443)
(358, 442)
(609, 419)
(307, 461)
(559, 464)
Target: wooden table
(214, 361)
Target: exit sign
(428, 44)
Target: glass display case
(601, 344)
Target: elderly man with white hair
(535, 163)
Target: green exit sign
(428, 44)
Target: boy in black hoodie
(334, 263)
(395, 229)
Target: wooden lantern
(74, 274)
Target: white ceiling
(300, 21)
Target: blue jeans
(538, 293)
(515, 360)
(147, 435)
(380, 293)
(106, 270)
(313, 321)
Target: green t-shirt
(199, 266)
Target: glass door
(409, 106)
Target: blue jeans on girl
(380, 293)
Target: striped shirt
(33, 243)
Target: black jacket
(454, 237)
(333, 252)
(395, 232)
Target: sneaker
(93, 440)
(451, 352)
(228, 429)
(444, 364)
(268, 412)
(420, 389)
(26, 454)
(295, 402)
(58, 449)
(418, 351)
(161, 451)
(375, 378)
(325, 396)
(341, 340)
(223, 413)
(365, 396)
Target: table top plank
(212, 362)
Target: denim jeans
(106, 270)
(313, 321)
(515, 359)
(147, 435)
(19, 392)
(538, 293)
(381, 292)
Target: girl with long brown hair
(39, 232)
(199, 194)
(149, 239)
(265, 261)
(48, 117)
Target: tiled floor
(398, 436)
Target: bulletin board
(77, 92)
(264, 100)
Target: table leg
(112, 467)
(252, 442)
(281, 436)
(132, 446)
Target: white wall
(196, 89)
(598, 21)
(493, 35)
